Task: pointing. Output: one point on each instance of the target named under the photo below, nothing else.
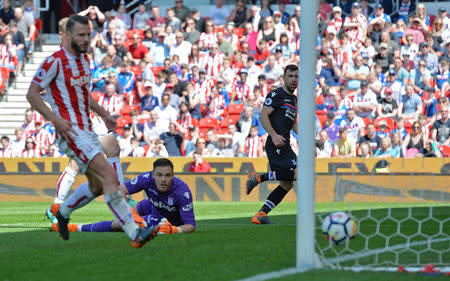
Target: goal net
(403, 221)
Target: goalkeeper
(169, 203)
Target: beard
(79, 48)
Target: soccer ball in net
(339, 227)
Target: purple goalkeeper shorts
(147, 211)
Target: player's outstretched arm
(64, 127)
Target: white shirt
(219, 15)
(182, 51)
(167, 113)
(353, 127)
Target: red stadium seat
(210, 123)
(239, 31)
(125, 110)
(135, 107)
(235, 108)
(136, 70)
(131, 32)
(445, 149)
(96, 95)
(225, 122)
(367, 121)
(234, 117)
(121, 122)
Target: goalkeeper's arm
(165, 227)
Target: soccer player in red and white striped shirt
(42, 138)
(65, 75)
(253, 144)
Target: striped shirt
(66, 79)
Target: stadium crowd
(182, 83)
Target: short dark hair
(290, 67)
(162, 162)
(74, 19)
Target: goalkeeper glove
(165, 227)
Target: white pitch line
(291, 271)
(379, 251)
(272, 275)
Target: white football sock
(121, 211)
(65, 182)
(79, 198)
(115, 163)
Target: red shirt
(204, 167)
(261, 56)
(137, 52)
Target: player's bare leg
(103, 180)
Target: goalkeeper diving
(169, 204)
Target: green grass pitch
(226, 246)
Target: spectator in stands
(31, 150)
(383, 58)
(435, 47)
(344, 147)
(406, 9)
(365, 102)
(330, 74)
(410, 47)
(411, 104)
(224, 148)
(98, 46)
(224, 46)
(6, 150)
(124, 140)
(219, 13)
(278, 24)
(156, 21)
(19, 42)
(42, 138)
(166, 111)
(355, 25)
(124, 16)
(18, 143)
(191, 34)
(324, 147)
(414, 143)
(430, 59)
(172, 139)
(99, 78)
(269, 34)
(441, 128)
(134, 150)
(365, 151)
(96, 17)
(113, 27)
(148, 101)
(240, 14)
(387, 107)
(371, 137)
(356, 73)
(175, 100)
(238, 140)
(172, 19)
(261, 53)
(382, 129)
(28, 30)
(28, 125)
(216, 105)
(160, 50)
(8, 56)
(271, 71)
(397, 144)
(6, 12)
(355, 125)
(199, 165)
(415, 29)
(429, 102)
(240, 89)
(111, 101)
(246, 121)
(181, 11)
(420, 76)
(112, 78)
(379, 16)
(154, 127)
(181, 48)
(253, 143)
(200, 147)
(54, 151)
(111, 52)
(331, 127)
(401, 73)
(208, 37)
(137, 51)
(431, 150)
(141, 17)
(339, 108)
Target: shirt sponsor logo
(188, 207)
(80, 81)
(161, 205)
(291, 114)
(134, 181)
(268, 101)
(40, 74)
(170, 201)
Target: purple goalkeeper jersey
(176, 205)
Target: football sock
(65, 182)
(268, 176)
(103, 226)
(79, 198)
(273, 199)
(115, 163)
(121, 211)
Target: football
(339, 227)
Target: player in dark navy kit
(278, 117)
(169, 204)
